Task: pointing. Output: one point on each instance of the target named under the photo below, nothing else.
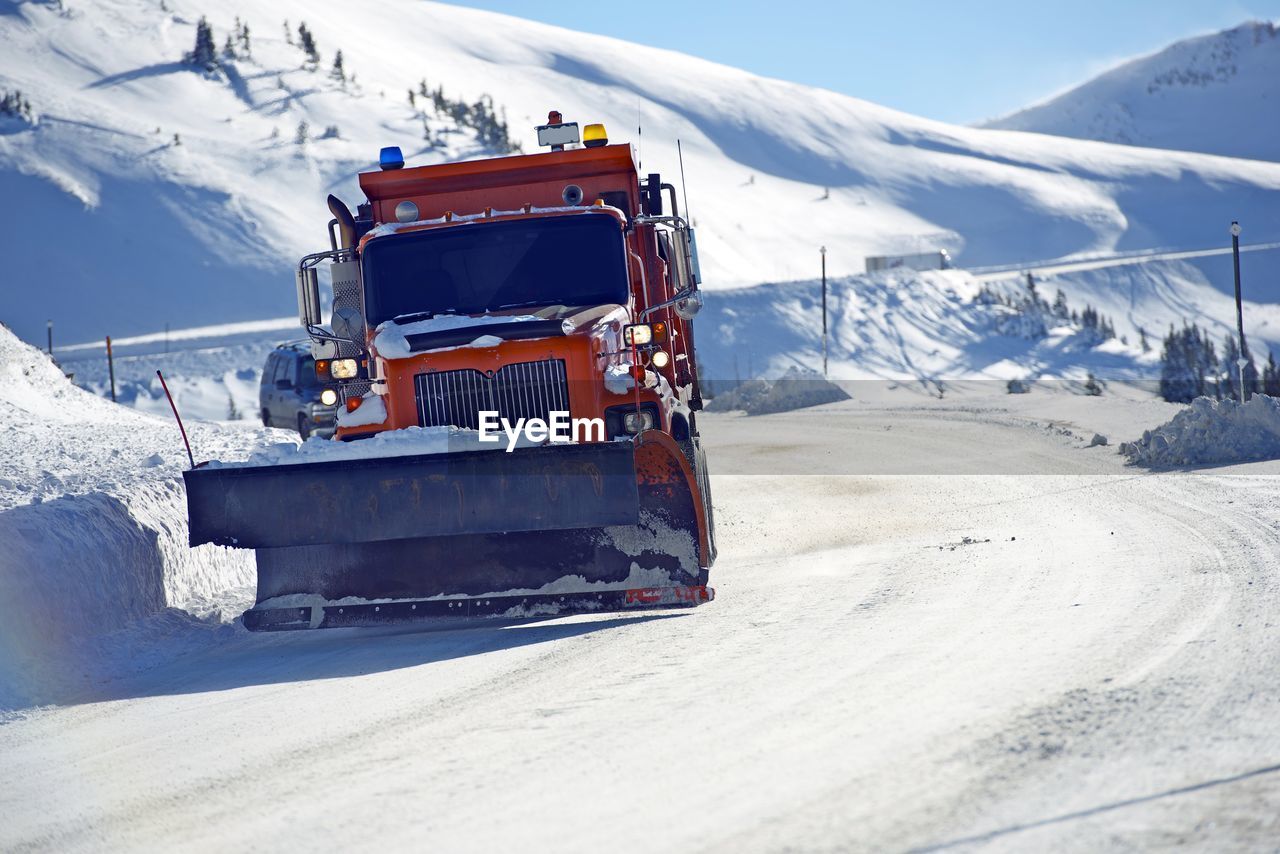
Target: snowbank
(796, 389)
(93, 518)
(1212, 431)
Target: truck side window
(664, 247)
(269, 370)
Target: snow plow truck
(543, 291)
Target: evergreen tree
(1146, 345)
(1091, 386)
(1230, 354)
(303, 134)
(16, 106)
(308, 44)
(1060, 306)
(1188, 366)
(228, 49)
(338, 72)
(1230, 358)
(204, 54)
(1091, 324)
(233, 411)
(242, 37)
(1271, 377)
(288, 33)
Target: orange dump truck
(511, 346)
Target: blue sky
(955, 61)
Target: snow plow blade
(541, 531)
(393, 498)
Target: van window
(307, 373)
(269, 370)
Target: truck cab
(523, 285)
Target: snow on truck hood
(394, 340)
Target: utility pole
(111, 369)
(50, 331)
(1235, 254)
(823, 252)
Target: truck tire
(266, 418)
(304, 426)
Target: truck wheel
(266, 418)
(304, 426)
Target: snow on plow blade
(393, 498)
(539, 532)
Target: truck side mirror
(308, 283)
(689, 306)
(695, 269)
(680, 264)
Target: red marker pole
(177, 417)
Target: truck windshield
(468, 269)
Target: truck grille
(523, 390)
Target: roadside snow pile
(1212, 431)
(796, 389)
(93, 521)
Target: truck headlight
(661, 359)
(344, 369)
(637, 334)
(637, 422)
(328, 397)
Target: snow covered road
(1073, 655)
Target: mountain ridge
(188, 197)
(1180, 97)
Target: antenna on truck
(639, 134)
(684, 188)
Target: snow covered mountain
(156, 192)
(1217, 93)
